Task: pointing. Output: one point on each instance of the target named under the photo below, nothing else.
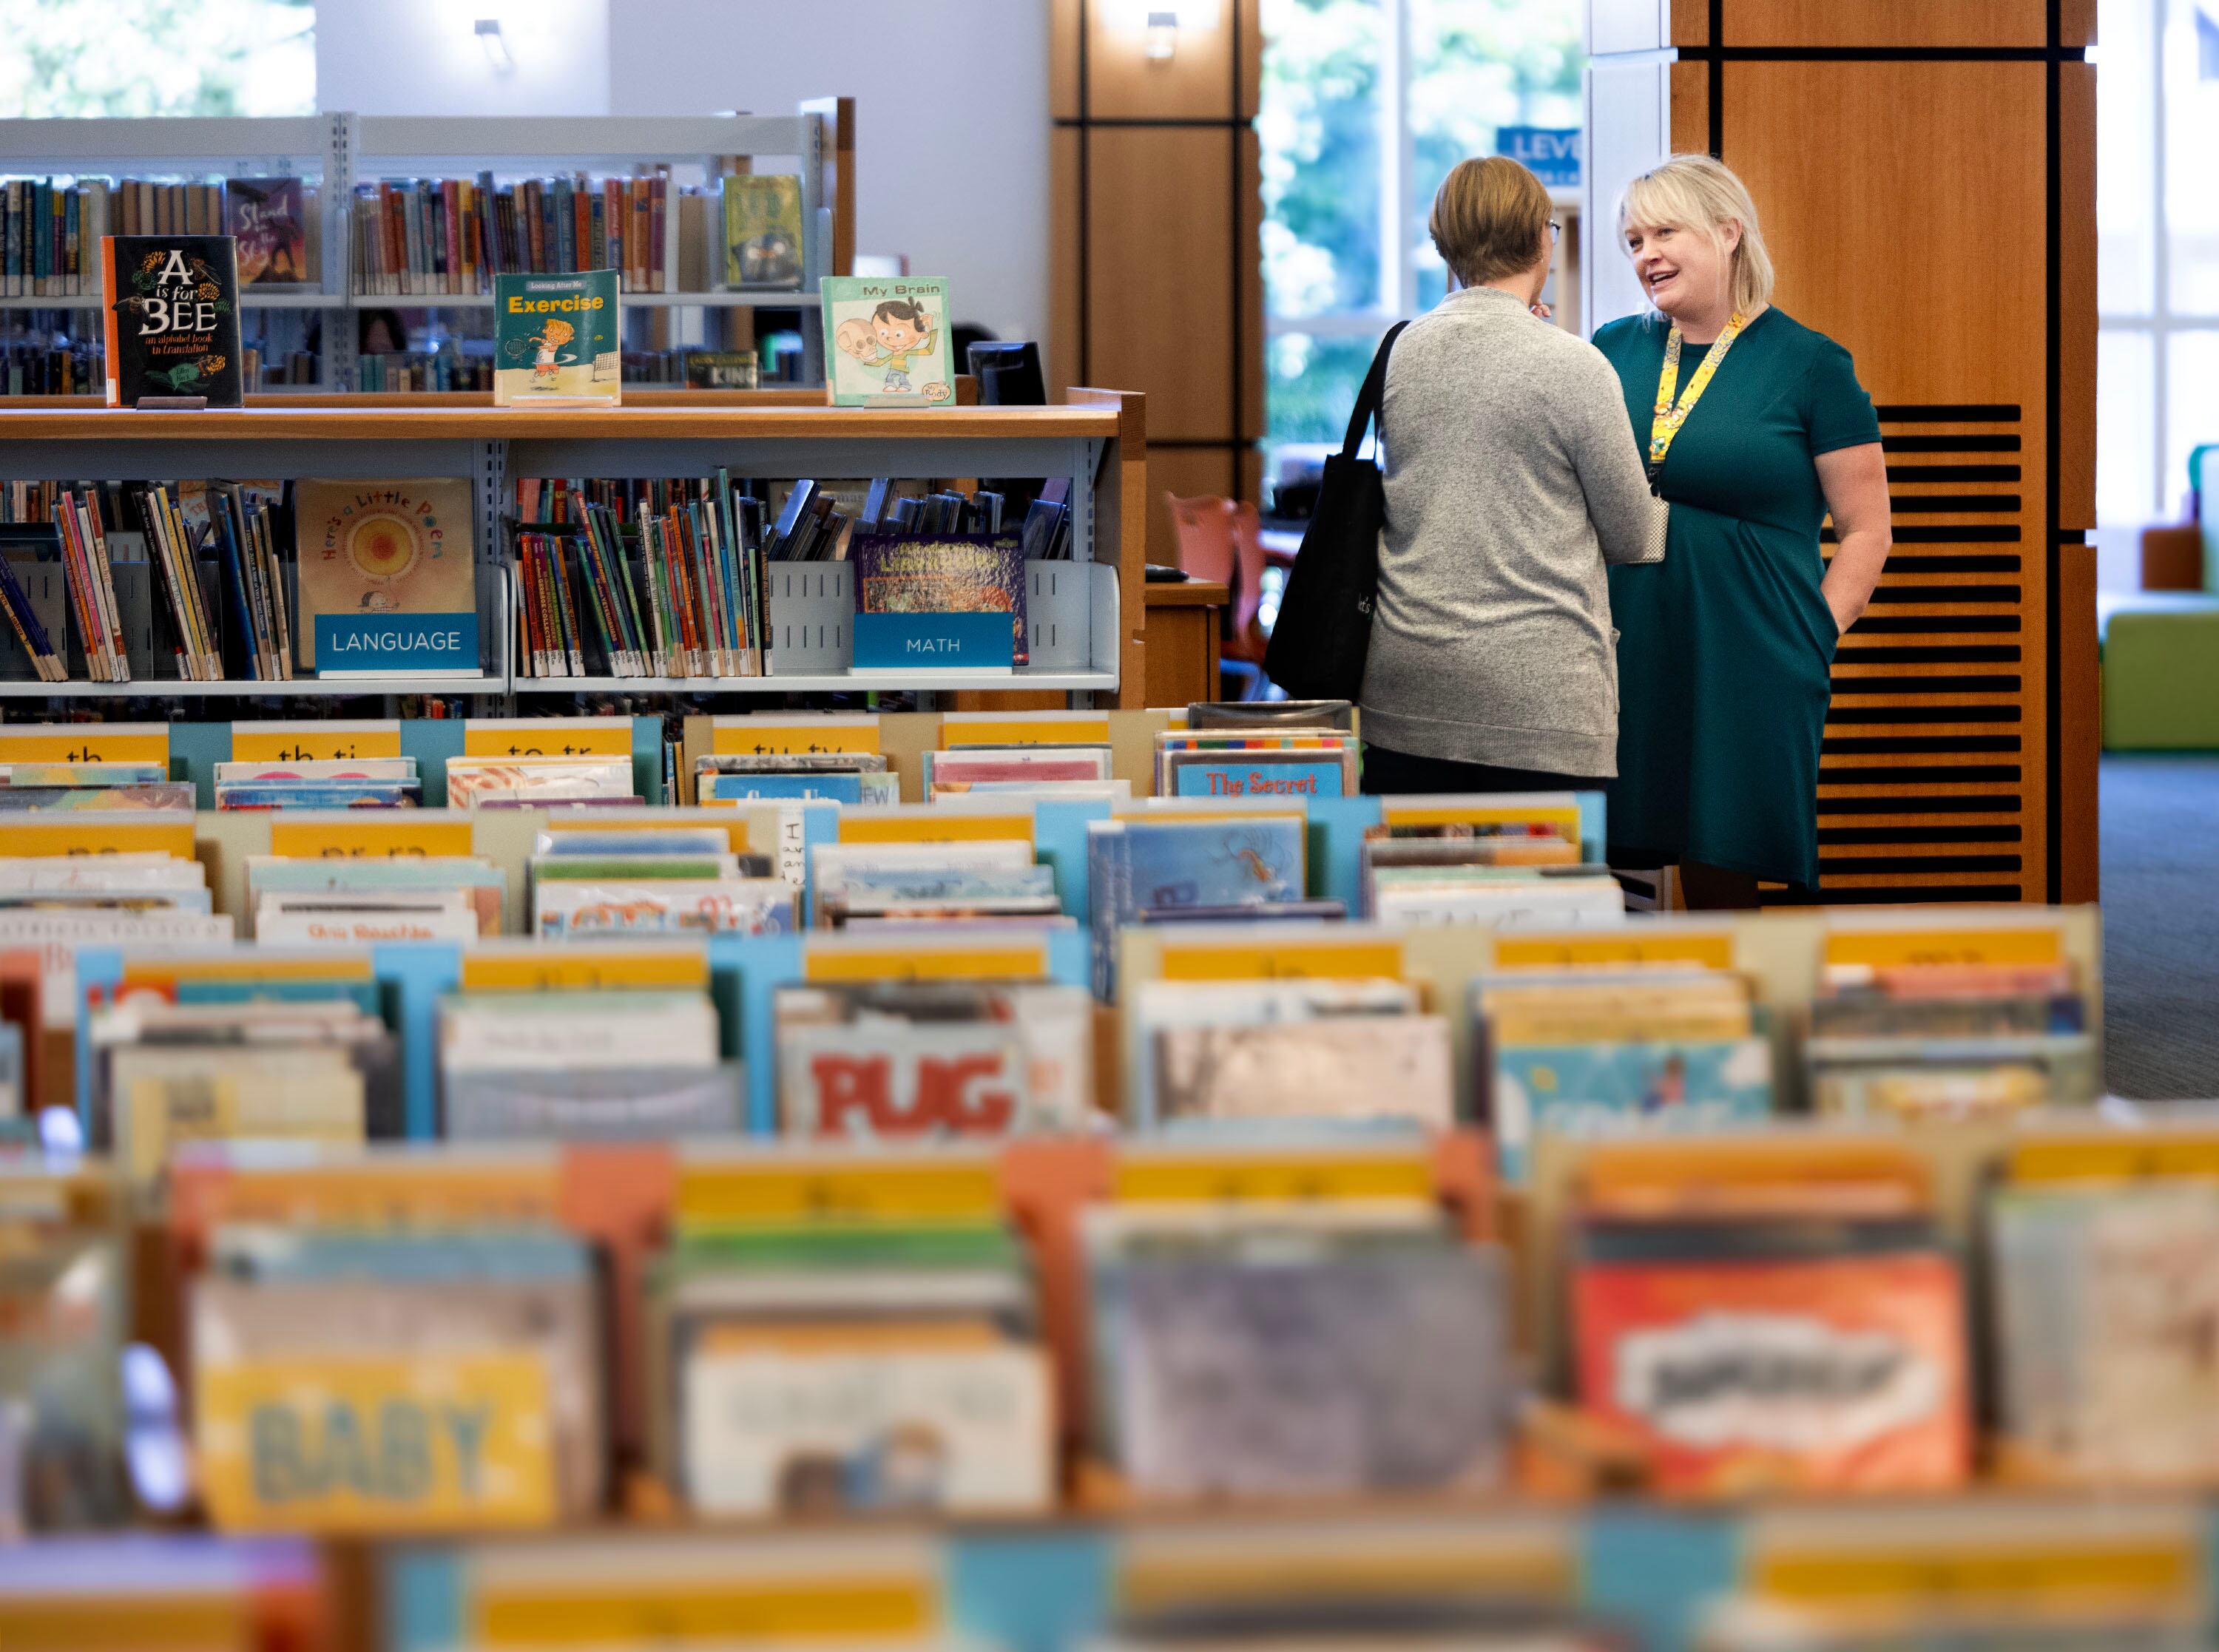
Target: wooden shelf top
(1186, 593)
(433, 422)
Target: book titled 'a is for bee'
(171, 304)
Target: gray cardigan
(1513, 475)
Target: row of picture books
(214, 581)
(200, 581)
(1074, 1325)
(51, 228)
(451, 236)
(1644, 1023)
(669, 579)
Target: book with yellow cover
(382, 549)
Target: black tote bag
(1324, 629)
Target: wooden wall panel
(1885, 22)
(1160, 213)
(1915, 162)
(2076, 283)
(1691, 111)
(1195, 83)
(1157, 232)
(1061, 368)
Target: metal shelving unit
(339, 150)
(1084, 613)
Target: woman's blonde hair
(1491, 218)
(1699, 193)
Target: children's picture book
(1748, 1372)
(763, 230)
(380, 550)
(556, 338)
(886, 341)
(265, 217)
(956, 573)
(172, 309)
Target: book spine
(613, 221)
(78, 582)
(582, 226)
(550, 645)
(574, 635)
(660, 659)
(95, 537)
(163, 555)
(18, 605)
(603, 528)
(451, 236)
(264, 652)
(72, 223)
(606, 619)
(210, 646)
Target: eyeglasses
(1554, 228)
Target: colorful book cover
(1752, 1375)
(954, 573)
(556, 338)
(266, 217)
(382, 547)
(763, 230)
(801, 1418)
(1592, 1089)
(171, 307)
(886, 341)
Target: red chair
(1218, 540)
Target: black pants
(1396, 774)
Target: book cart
(1085, 614)
(337, 150)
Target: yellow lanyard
(1667, 416)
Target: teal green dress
(1726, 648)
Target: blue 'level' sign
(396, 642)
(969, 640)
(1552, 153)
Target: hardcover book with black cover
(171, 304)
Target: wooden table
(1180, 641)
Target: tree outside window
(1366, 105)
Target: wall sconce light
(496, 47)
(1159, 22)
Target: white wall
(422, 57)
(951, 120)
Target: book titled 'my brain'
(171, 304)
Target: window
(2157, 216)
(95, 57)
(1366, 105)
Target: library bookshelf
(334, 152)
(1085, 614)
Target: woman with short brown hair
(1510, 481)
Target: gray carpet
(2160, 852)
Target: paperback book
(763, 230)
(379, 563)
(268, 224)
(886, 341)
(556, 339)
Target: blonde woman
(1510, 481)
(1755, 430)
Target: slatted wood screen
(1924, 175)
